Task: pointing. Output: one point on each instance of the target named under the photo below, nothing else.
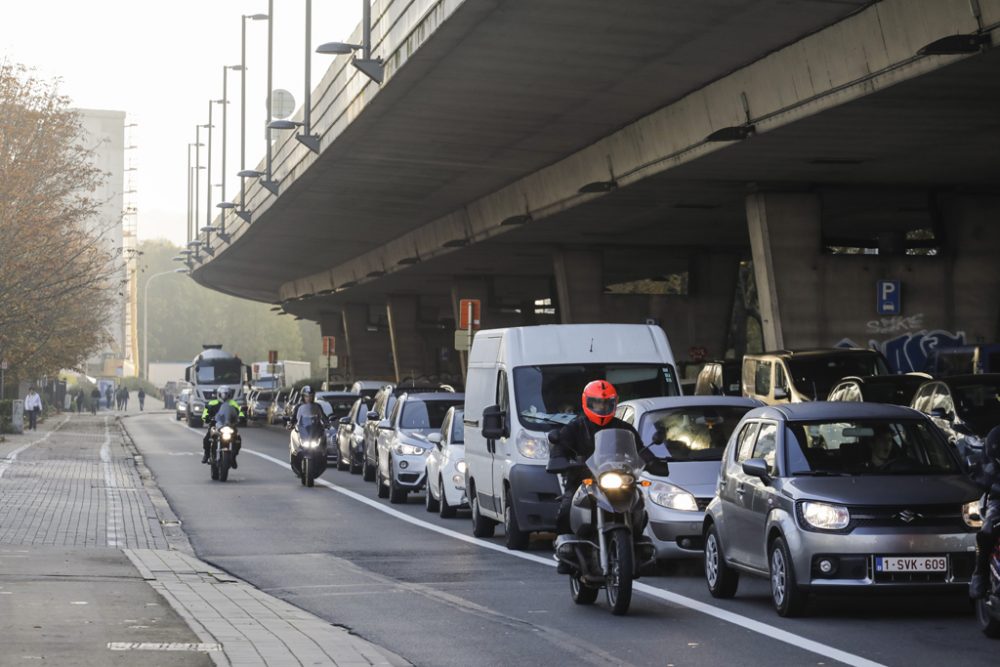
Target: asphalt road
(424, 588)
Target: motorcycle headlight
(460, 467)
(532, 446)
(824, 516)
(310, 444)
(404, 449)
(226, 433)
(971, 515)
(611, 481)
(672, 497)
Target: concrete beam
(368, 350)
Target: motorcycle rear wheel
(581, 592)
(622, 568)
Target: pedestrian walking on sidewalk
(33, 406)
(142, 398)
(95, 399)
(125, 399)
(79, 402)
(110, 397)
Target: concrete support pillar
(579, 285)
(368, 352)
(786, 240)
(408, 346)
(974, 244)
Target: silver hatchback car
(833, 496)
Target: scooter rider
(989, 478)
(208, 417)
(307, 405)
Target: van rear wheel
(481, 525)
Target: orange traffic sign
(468, 314)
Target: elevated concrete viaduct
(582, 161)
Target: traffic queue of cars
(826, 474)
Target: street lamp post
(269, 183)
(145, 318)
(307, 138)
(225, 106)
(242, 212)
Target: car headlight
(672, 497)
(532, 446)
(971, 515)
(403, 449)
(226, 433)
(460, 467)
(611, 481)
(824, 516)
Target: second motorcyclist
(308, 405)
(224, 395)
(989, 478)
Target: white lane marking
(6, 461)
(652, 591)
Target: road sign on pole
(468, 314)
(272, 356)
(888, 297)
(329, 345)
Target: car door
(386, 437)
(732, 494)
(499, 448)
(759, 495)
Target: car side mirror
(384, 425)
(344, 420)
(435, 439)
(757, 468)
(373, 416)
(658, 468)
(780, 393)
(493, 423)
(941, 413)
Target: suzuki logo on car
(908, 516)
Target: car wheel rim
(711, 561)
(779, 578)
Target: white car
(446, 467)
(402, 442)
(692, 433)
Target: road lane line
(674, 598)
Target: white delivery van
(525, 381)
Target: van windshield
(816, 376)
(549, 396)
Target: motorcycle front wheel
(988, 623)
(581, 592)
(304, 474)
(621, 569)
(224, 466)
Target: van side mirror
(757, 468)
(187, 374)
(493, 423)
(780, 393)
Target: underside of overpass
(462, 175)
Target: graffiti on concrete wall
(909, 350)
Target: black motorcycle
(224, 442)
(307, 444)
(988, 609)
(607, 548)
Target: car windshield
(549, 396)
(816, 376)
(458, 428)
(422, 415)
(697, 433)
(869, 447)
(336, 407)
(897, 391)
(978, 402)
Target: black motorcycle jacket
(988, 476)
(576, 439)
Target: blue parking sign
(888, 293)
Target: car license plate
(911, 564)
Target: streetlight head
(257, 17)
(195, 243)
(250, 173)
(235, 68)
(225, 205)
(337, 48)
(208, 229)
(181, 271)
(283, 124)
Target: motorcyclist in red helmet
(576, 439)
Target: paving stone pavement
(77, 510)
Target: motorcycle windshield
(615, 451)
(310, 421)
(227, 415)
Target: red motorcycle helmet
(599, 402)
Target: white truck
(211, 369)
(281, 374)
(524, 382)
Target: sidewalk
(94, 569)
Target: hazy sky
(161, 62)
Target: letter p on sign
(888, 297)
